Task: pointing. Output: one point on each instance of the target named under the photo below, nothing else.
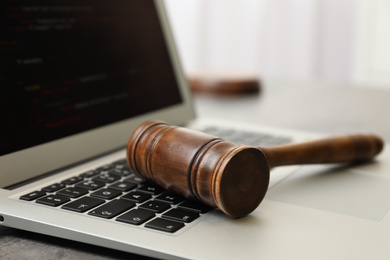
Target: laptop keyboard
(114, 192)
(246, 137)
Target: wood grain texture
(339, 149)
(200, 166)
(224, 82)
(221, 174)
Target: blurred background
(341, 41)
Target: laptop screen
(70, 66)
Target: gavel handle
(342, 149)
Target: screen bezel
(32, 162)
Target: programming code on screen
(69, 66)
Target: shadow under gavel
(221, 174)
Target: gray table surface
(325, 108)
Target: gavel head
(200, 166)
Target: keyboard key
(33, 195)
(106, 177)
(122, 166)
(83, 204)
(171, 198)
(135, 179)
(194, 206)
(72, 180)
(151, 189)
(54, 187)
(164, 225)
(73, 192)
(123, 186)
(105, 167)
(112, 208)
(120, 162)
(155, 206)
(106, 194)
(53, 200)
(121, 171)
(89, 174)
(181, 215)
(138, 197)
(90, 184)
(136, 216)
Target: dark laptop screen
(70, 66)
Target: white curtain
(294, 39)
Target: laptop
(76, 79)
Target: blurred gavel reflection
(221, 174)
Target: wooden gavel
(221, 174)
